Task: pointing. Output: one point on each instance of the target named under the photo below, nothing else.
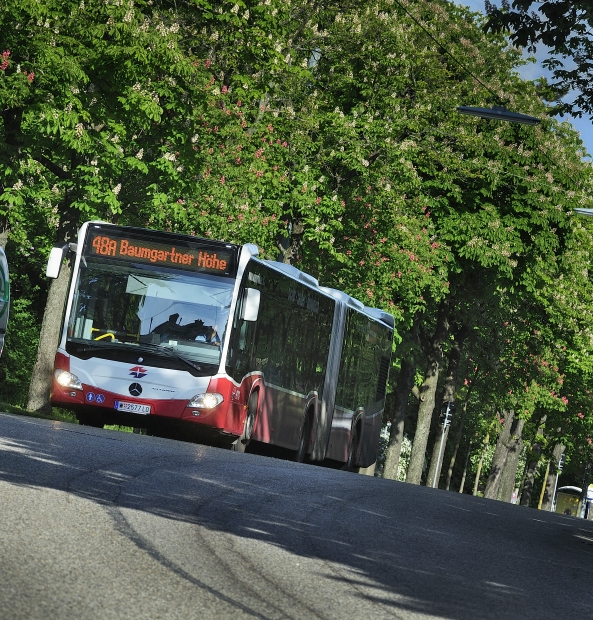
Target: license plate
(122, 405)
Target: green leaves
(325, 133)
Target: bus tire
(89, 419)
(301, 453)
(241, 444)
(352, 450)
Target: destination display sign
(207, 259)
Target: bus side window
(242, 336)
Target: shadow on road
(408, 548)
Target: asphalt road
(102, 524)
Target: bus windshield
(135, 305)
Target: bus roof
(291, 271)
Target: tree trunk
(437, 458)
(464, 475)
(457, 442)
(509, 473)
(500, 456)
(532, 461)
(41, 379)
(480, 464)
(454, 360)
(425, 409)
(550, 481)
(543, 491)
(433, 349)
(405, 383)
(527, 492)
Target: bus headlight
(67, 379)
(206, 401)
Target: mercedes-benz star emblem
(135, 389)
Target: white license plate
(122, 405)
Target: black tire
(90, 419)
(352, 450)
(241, 444)
(300, 455)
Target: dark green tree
(563, 26)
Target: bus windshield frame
(138, 303)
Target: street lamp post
(499, 113)
(445, 419)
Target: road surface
(104, 524)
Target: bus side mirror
(250, 308)
(56, 257)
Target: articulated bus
(162, 328)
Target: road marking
(458, 508)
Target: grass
(60, 415)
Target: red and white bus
(163, 328)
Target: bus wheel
(352, 449)
(301, 453)
(241, 444)
(89, 419)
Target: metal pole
(544, 485)
(553, 506)
(586, 480)
(436, 471)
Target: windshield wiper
(170, 351)
(144, 346)
(102, 345)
